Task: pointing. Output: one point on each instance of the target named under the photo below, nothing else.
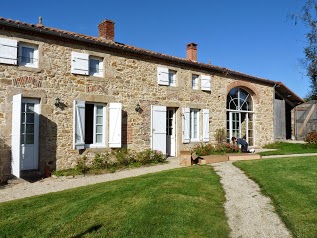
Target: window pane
(22, 117)
(99, 110)
(29, 139)
(23, 107)
(27, 55)
(30, 107)
(98, 138)
(30, 128)
(99, 129)
(99, 120)
(29, 118)
(94, 66)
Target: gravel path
(48, 185)
(249, 213)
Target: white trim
(194, 111)
(79, 63)
(186, 125)
(115, 125)
(16, 135)
(205, 81)
(205, 125)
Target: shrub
(81, 165)
(102, 161)
(149, 156)
(210, 149)
(124, 156)
(311, 137)
(220, 135)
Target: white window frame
(195, 81)
(35, 56)
(100, 66)
(192, 128)
(172, 78)
(103, 143)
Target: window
(172, 77)
(28, 55)
(194, 125)
(166, 76)
(94, 124)
(95, 67)
(85, 64)
(90, 124)
(195, 81)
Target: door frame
(171, 147)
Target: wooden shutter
(8, 51)
(205, 83)
(80, 63)
(205, 125)
(158, 128)
(79, 125)
(115, 126)
(162, 76)
(16, 138)
(186, 125)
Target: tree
(308, 16)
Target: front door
(170, 132)
(25, 134)
(29, 134)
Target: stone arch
(249, 87)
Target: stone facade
(129, 80)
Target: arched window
(240, 115)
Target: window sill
(29, 68)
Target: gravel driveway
(250, 214)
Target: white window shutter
(205, 125)
(186, 125)
(79, 125)
(8, 51)
(115, 126)
(162, 76)
(16, 138)
(205, 83)
(80, 63)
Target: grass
(284, 148)
(186, 202)
(292, 185)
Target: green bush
(102, 161)
(311, 137)
(81, 165)
(210, 149)
(149, 156)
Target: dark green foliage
(210, 149)
(113, 161)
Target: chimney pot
(106, 29)
(191, 51)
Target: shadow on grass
(90, 230)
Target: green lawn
(292, 185)
(284, 148)
(186, 202)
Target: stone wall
(128, 80)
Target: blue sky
(249, 36)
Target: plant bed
(243, 156)
(209, 159)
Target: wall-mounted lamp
(138, 108)
(57, 102)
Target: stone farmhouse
(65, 95)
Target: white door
(170, 132)
(158, 128)
(29, 134)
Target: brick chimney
(191, 51)
(106, 29)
